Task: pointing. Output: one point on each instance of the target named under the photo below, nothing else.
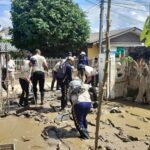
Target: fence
(50, 61)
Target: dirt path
(127, 130)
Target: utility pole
(101, 25)
(101, 90)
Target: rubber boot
(42, 100)
(34, 102)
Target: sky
(124, 13)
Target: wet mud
(41, 129)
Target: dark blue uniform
(54, 76)
(64, 83)
(83, 60)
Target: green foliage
(48, 25)
(145, 35)
(127, 59)
(5, 40)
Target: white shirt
(25, 70)
(84, 97)
(95, 65)
(77, 98)
(39, 61)
(58, 64)
(11, 65)
(89, 71)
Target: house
(5, 34)
(5, 44)
(119, 39)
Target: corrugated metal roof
(5, 31)
(6, 46)
(94, 37)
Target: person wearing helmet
(82, 61)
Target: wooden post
(101, 26)
(1, 91)
(101, 92)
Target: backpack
(61, 70)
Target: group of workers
(80, 93)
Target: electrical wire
(124, 16)
(131, 4)
(90, 8)
(127, 18)
(94, 5)
(125, 6)
(136, 1)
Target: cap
(82, 53)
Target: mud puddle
(24, 133)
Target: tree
(48, 25)
(145, 35)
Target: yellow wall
(93, 51)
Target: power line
(124, 5)
(89, 1)
(129, 7)
(131, 20)
(125, 18)
(94, 5)
(133, 4)
(136, 1)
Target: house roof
(94, 37)
(6, 46)
(5, 33)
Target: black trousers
(4, 75)
(81, 72)
(95, 80)
(25, 91)
(38, 77)
(64, 90)
(54, 80)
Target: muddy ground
(124, 126)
